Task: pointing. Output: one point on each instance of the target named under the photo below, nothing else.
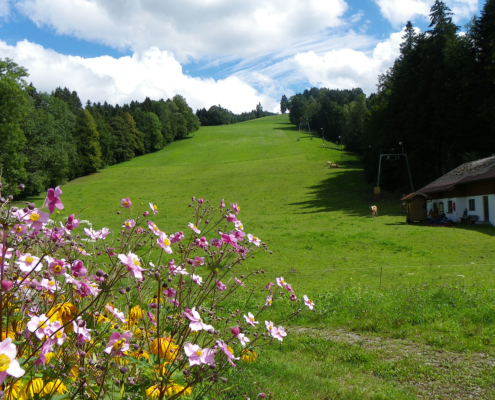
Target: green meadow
(402, 311)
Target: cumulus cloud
(188, 28)
(399, 12)
(341, 68)
(152, 73)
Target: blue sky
(230, 52)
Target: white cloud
(152, 73)
(398, 12)
(342, 68)
(5, 8)
(188, 28)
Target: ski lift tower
(303, 123)
(391, 155)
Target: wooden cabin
(416, 207)
(467, 193)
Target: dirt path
(447, 375)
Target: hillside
(314, 219)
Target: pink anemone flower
(36, 219)
(38, 325)
(223, 346)
(154, 228)
(308, 302)
(194, 228)
(8, 363)
(253, 239)
(152, 318)
(56, 332)
(53, 199)
(250, 319)
(197, 355)
(281, 282)
(231, 218)
(116, 313)
(243, 339)
(236, 208)
(220, 285)
(239, 282)
(126, 203)
(129, 224)
(197, 279)
(199, 261)
(82, 333)
(277, 333)
(27, 263)
(118, 343)
(196, 323)
(19, 229)
(133, 264)
(154, 208)
(164, 242)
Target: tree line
(216, 115)
(48, 139)
(438, 100)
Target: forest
(217, 115)
(49, 139)
(438, 100)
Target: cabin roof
(473, 171)
(410, 196)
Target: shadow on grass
(341, 191)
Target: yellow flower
(102, 318)
(55, 386)
(121, 361)
(74, 373)
(168, 350)
(12, 391)
(9, 334)
(136, 313)
(49, 357)
(248, 356)
(162, 368)
(63, 312)
(33, 387)
(170, 389)
(137, 332)
(141, 353)
(153, 392)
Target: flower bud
(235, 331)
(145, 214)
(6, 285)
(21, 186)
(123, 370)
(186, 372)
(31, 206)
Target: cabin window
(440, 207)
(471, 205)
(449, 206)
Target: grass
(315, 219)
(389, 296)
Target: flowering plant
(138, 314)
